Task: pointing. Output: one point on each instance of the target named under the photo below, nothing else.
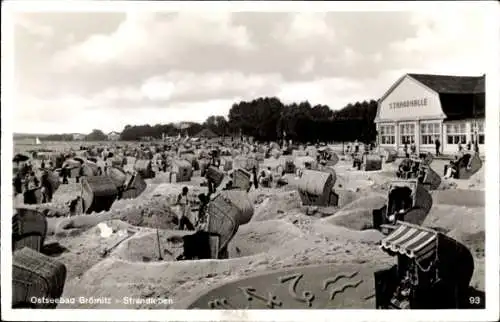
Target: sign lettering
(409, 103)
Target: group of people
(411, 167)
(25, 182)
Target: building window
(477, 127)
(480, 132)
(430, 132)
(387, 134)
(406, 134)
(456, 133)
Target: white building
(78, 136)
(113, 136)
(423, 108)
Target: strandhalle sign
(409, 103)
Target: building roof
(444, 84)
(461, 97)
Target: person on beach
(451, 169)
(18, 184)
(438, 145)
(64, 173)
(31, 184)
(47, 187)
(255, 177)
(201, 221)
(185, 210)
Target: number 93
(474, 300)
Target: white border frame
(491, 313)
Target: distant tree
(58, 137)
(96, 135)
(217, 124)
(268, 119)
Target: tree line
(269, 119)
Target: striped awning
(411, 241)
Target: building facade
(422, 109)
(113, 136)
(78, 137)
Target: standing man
(18, 183)
(47, 187)
(255, 177)
(476, 143)
(438, 145)
(202, 212)
(64, 173)
(183, 202)
(413, 147)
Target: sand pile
(274, 205)
(354, 219)
(156, 212)
(459, 197)
(370, 200)
(338, 233)
(143, 247)
(464, 224)
(254, 237)
(82, 250)
(172, 190)
(67, 192)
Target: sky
(78, 71)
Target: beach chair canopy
(411, 241)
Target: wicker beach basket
(241, 179)
(389, 155)
(431, 178)
(372, 162)
(145, 168)
(228, 165)
(314, 187)
(90, 169)
(35, 275)
(29, 229)
(183, 169)
(215, 175)
(117, 175)
(226, 212)
(134, 187)
(98, 193)
(289, 166)
(53, 180)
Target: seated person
(466, 160)
(405, 165)
(422, 171)
(264, 179)
(415, 166)
(401, 296)
(282, 180)
(451, 171)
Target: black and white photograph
(226, 159)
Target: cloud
(149, 35)
(90, 70)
